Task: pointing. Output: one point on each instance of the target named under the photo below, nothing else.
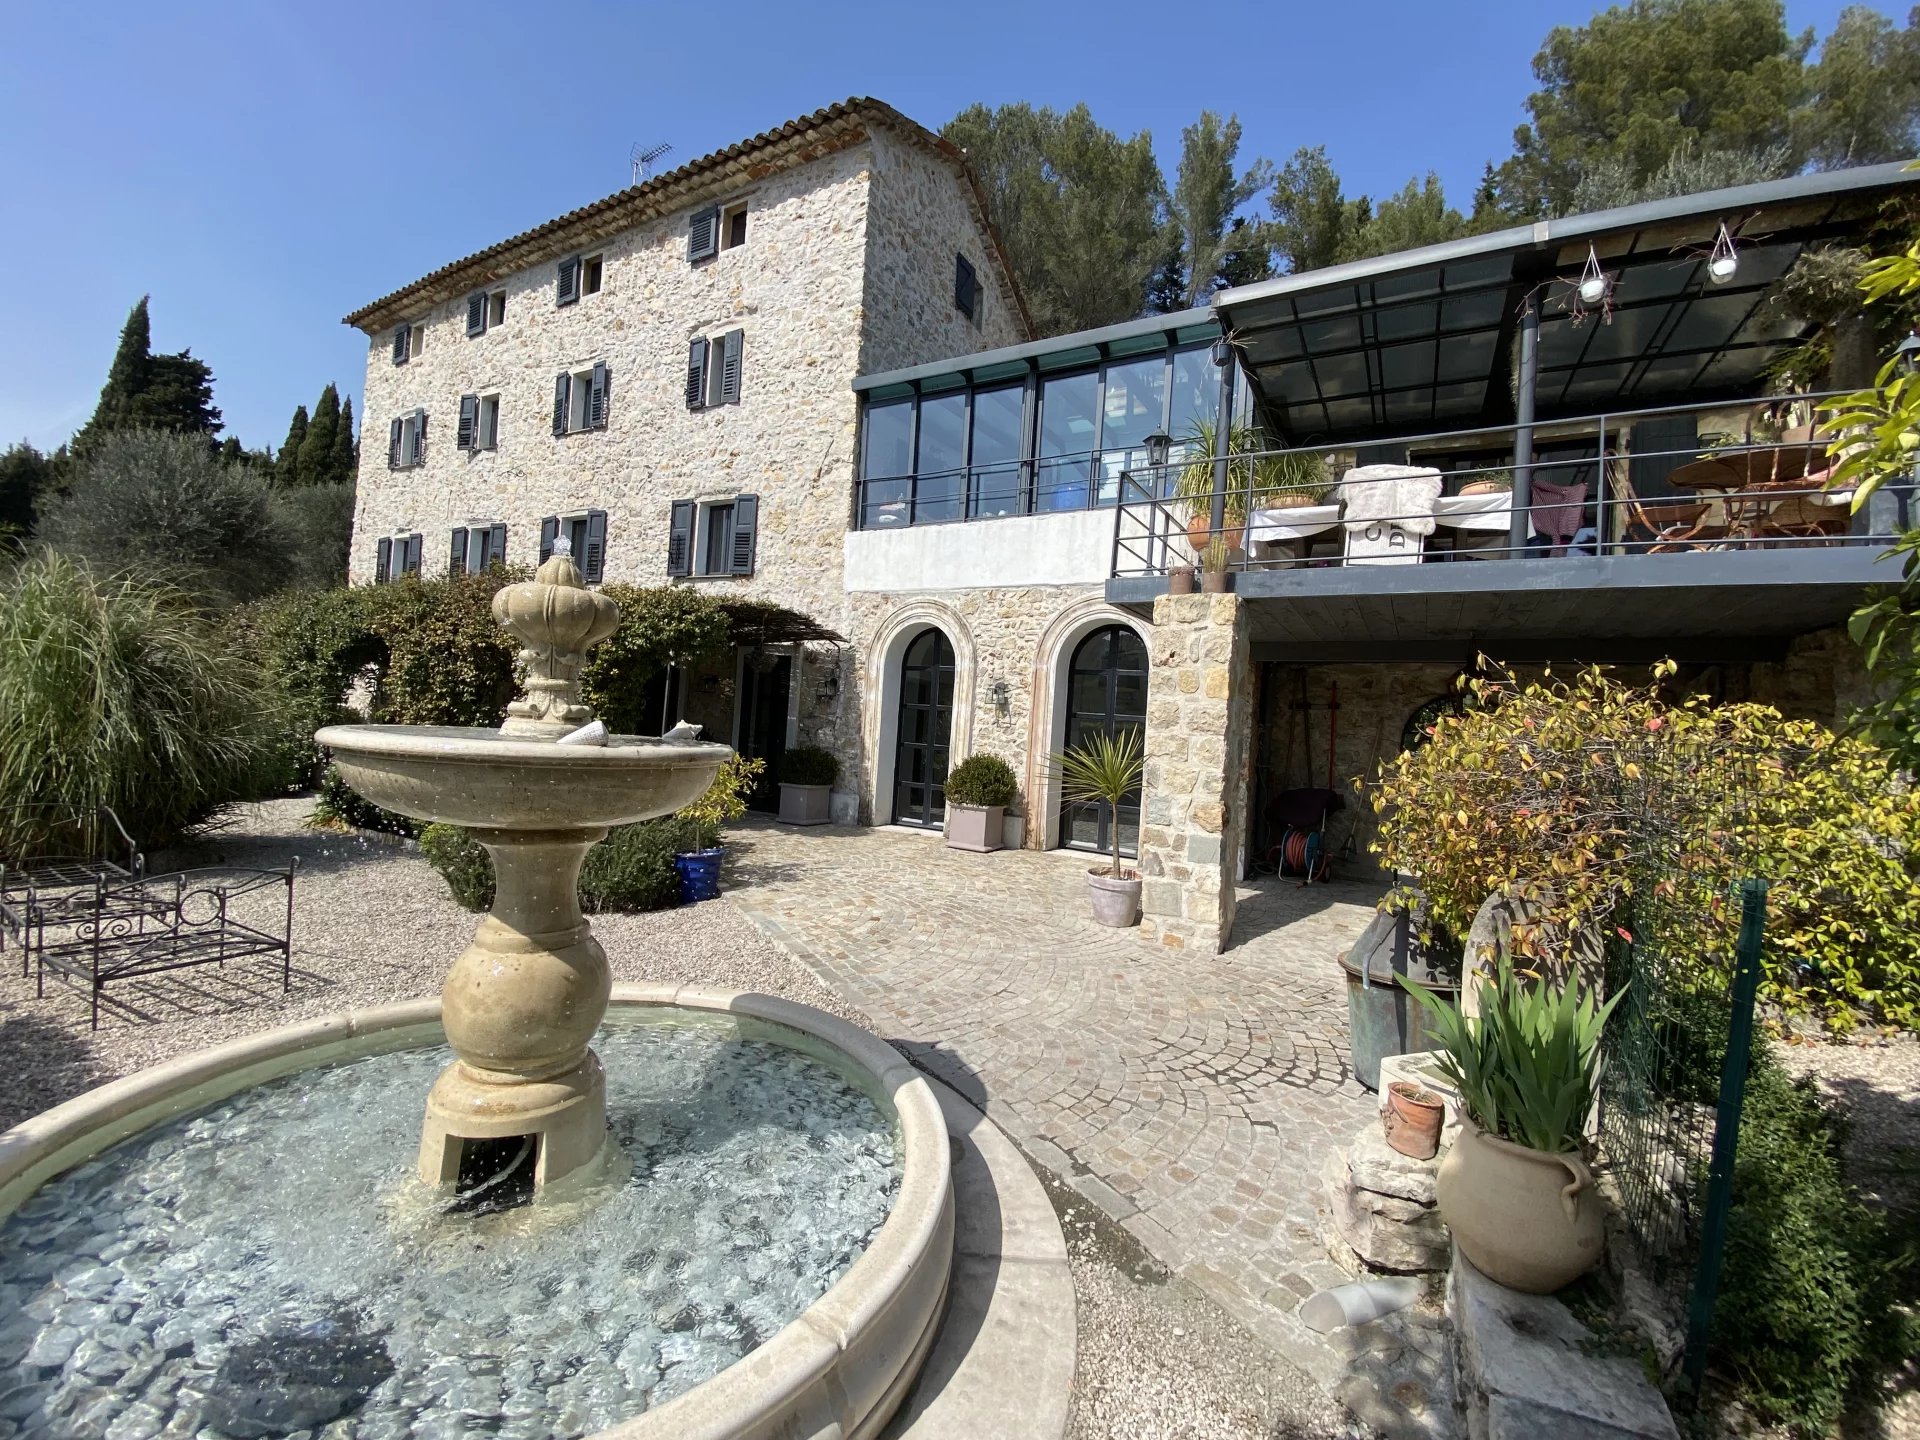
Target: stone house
(665, 378)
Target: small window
(486, 434)
(966, 289)
(716, 555)
(590, 272)
(585, 532)
(581, 400)
(486, 310)
(407, 441)
(403, 552)
(733, 226)
(714, 374)
(416, 339)
(476, 545)
(496, 309)
(409, 338)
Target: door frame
(880, 695)
(1108, 816)
(1047, 727)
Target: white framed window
(416, 339)
(396, 555)
(486, 435)
(585, 532)
(715, 365)
(592, 274)
(409, 339)
(486, 310)
(582, 400)
(733, 226)
(407, 440)
(496, 308)
(476, 545)
(713, 537)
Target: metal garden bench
(36, 890)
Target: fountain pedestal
(521, 1004)
(523, 1000)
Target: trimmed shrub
(808, 765)
(311, 645)
(982, 780)
(631, 870)
(448, 661)
(1809, 1316)
(119, 692)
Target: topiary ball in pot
(807, 774)
(979, 790)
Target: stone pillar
(1199, 756)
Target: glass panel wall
(969, 454)
(997, 482)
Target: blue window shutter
(731, 344)
(497, 545)
(568, 289)
(593, 563)
(402, 340)
(597, 399)
(562, 393)
(457, 561)
(680, 539)
(549, 529)
(703, 234)
(383, 561)
(746, 525)
(477, 313)
(697, 374)
(395, 432)
(468, 437)
(419, 438)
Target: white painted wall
(1073, 548)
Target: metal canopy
(1422, 340)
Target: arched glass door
(926, 728)
(1106, 694)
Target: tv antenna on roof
(642, 159)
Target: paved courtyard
(1193, 1097)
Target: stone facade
(1199, 754)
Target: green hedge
(982, 780)
(808, 765)
(632, 869)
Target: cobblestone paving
(1193, 1097)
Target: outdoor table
(1743, 499)
(1288, 528)
(1485, 518)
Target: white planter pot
(1115, 902)
(975, 827)
(805, 804)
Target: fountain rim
(844, 1345)
(476, 745)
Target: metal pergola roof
(1422, 339)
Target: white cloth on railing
(1388, 512)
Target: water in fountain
(270, 1265)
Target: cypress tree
(284, 473)
(127, 379)
(178, 397)
(314, 463)
(346, 454)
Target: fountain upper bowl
(482, 779)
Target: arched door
(1106, 694)
(926, 729)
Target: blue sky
(261, 169)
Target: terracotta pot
(1180, 580)
(1527, 1219)
(1484, 487)
(1213, 582)
(1413, 1120)
(1291, 500)
(1200, 531)
(1115, 902)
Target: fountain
(752, 1237)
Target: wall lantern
(1907, 352)
(1723, 260)
(1002, 705)
(1222, 352)
(1159, 447)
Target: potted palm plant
(1255, 482)
(1106, 771)
(979, 791)
(1515, 1189)
(807, 774)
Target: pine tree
(290, 448)
(178, 397)
(346, 453)
(313, 465)
(127, 379)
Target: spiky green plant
(1105, 770)
(119, 692)
(1527, 1066)
(1253, 480)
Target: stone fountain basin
(482, 779)
(839, 1369)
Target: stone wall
(1199, 742)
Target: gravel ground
(373, 923)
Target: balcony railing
(1705, 477)
(1050, 485)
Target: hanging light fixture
(1594, 283)
(1159, 447)
(1723, 260)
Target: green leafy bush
(659, 626)
(982, 780)
(808, 765)
(725, 799)
(338, 803)
(119, 692)
(311, 645)
(448, 661)
(631, 870)
(1810, 1314)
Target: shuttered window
(567, 290)
(731, 345)
(586, 532)
(466, 434)
(703, 234)
(402, 344)
(714, 369)
(475, 547)
(395, 556)
(457, 558)
(680, 539)
(697, 373)
(486, 310)
(713, 537)
(582, 400)
(418, 439)
(407, 441)
(966, 288)
(382, 561)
